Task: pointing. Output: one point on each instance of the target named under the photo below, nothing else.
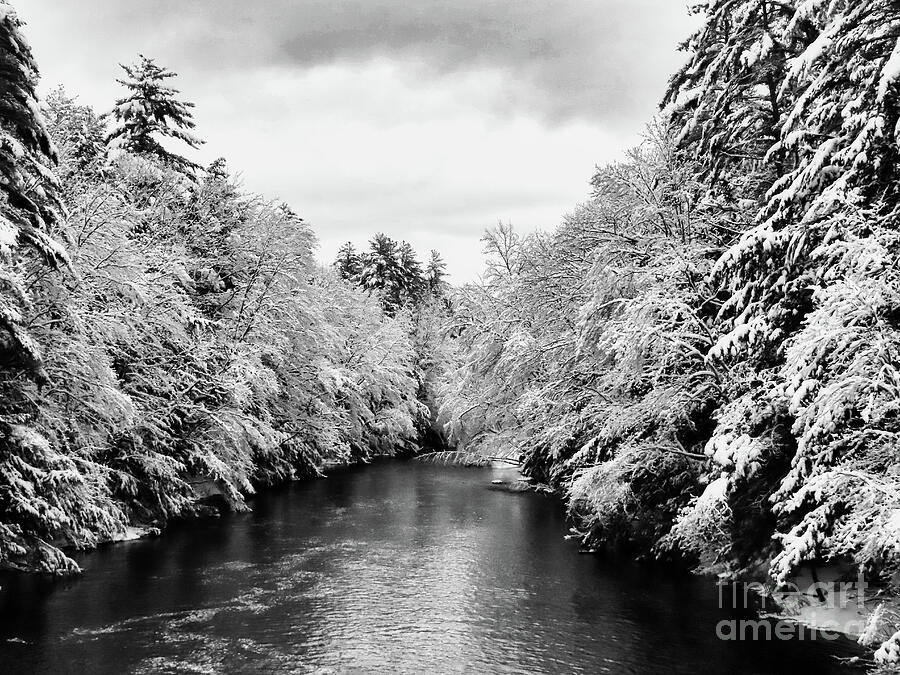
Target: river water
(399, 567)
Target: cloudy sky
(425, 119)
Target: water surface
(396, 567)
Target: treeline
(393, 270)
(167, 339)
(705, 356)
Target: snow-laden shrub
(704, 527)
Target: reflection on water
(397, 567)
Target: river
(398, 567)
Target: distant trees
(383, 272)
(436, 273)
(392, 271)
(151, 113)
(348, 262)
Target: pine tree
(810, 320)
(412, 281)
(727, 101)
(218, 169)
(41, 495)
(382, 271)
(151, 113)
(830, 234)
(435, 273)
(393, 269)
(30, 205)
(348, 262)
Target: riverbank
(824, 600)
(209, 499)
(828, 599)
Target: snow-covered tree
(45, 494)
(29, 206)
(436, 273)
(413, 280)
(381, 270)
(348, 262)
(79, 135)
(389, 268)
(809, 320)
(151, 114)
(728, 103)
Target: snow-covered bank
(828, 598)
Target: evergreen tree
(218, 169)
(809, 330)
(42, 495)
(412, 280)
(382, 271)
(815, 286)
(29, 205)
(151, 113)
(435, 273)
(728, 103)
(348, 262)
(393, 270)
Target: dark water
(398, 567)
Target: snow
(131, 533)
(686, 97)
(889, 651)
(890, 73)
(801, 65)
(8, 235)
(759, 51)
(715, 492)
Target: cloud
(332, 143)
(425, 120)
(563, 59)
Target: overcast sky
(427, 120)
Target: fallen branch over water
(462, 458)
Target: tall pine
(152, 113)
(348, 262)
(435, 273)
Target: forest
(169, 343)
(701, 359)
